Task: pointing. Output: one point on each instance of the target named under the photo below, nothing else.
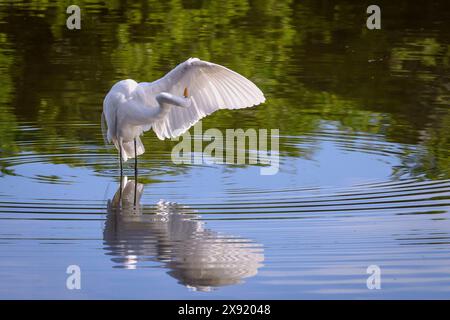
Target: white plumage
(196, 88)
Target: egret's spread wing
(211, 87)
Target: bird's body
(172, 104)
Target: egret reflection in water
(173, 235)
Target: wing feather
(211, 87)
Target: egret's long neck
(167, 100)
(139, 114)
(163, 110)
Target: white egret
(172, 104)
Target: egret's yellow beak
(185, 92)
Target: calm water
(364, 176)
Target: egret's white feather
(210, 86)
(130, 108)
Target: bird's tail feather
(128, 149)
(104, 129)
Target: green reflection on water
(315, 60)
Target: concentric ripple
(208, 228)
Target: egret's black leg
(120, 160)
(135, 172)
(121, 175)
(135, 161)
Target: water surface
(364, 175)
